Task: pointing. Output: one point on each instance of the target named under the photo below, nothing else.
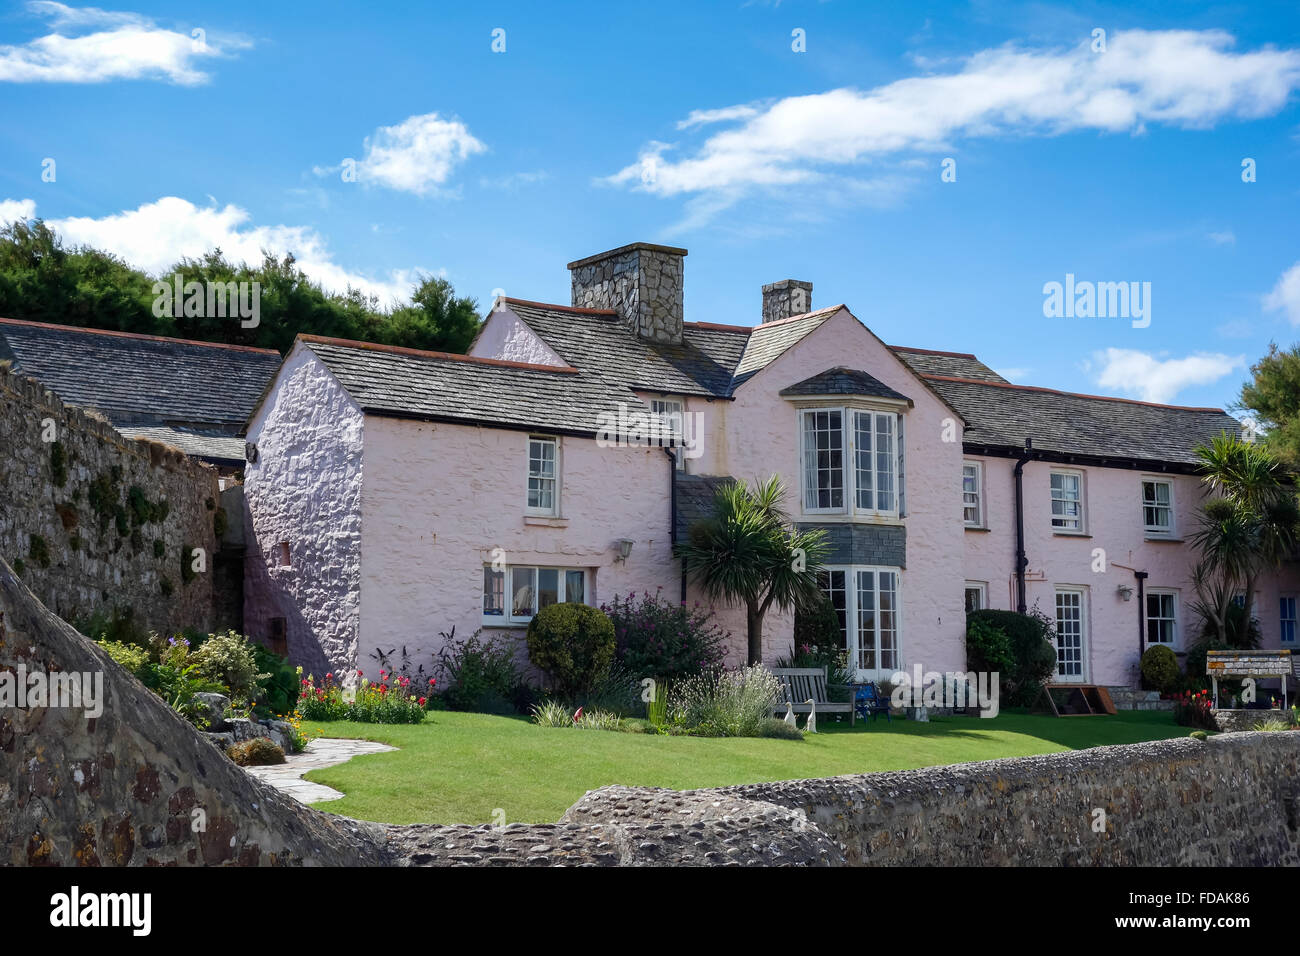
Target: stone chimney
(786, 298)
(640, 282)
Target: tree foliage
(42, 280)
(1272, 398)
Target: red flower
(423, 701)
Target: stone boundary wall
(93, 520)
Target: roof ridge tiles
(560, 308)
(1057, 391)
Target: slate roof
(438, 386)
(844, 381)
(209, 445)
(695, 495)
(1002, 415)
(204, 389)
(956, 364)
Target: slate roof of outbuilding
(439, 386)
(695, 496)
(844, 381)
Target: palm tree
(1247, 530)
(748, 551)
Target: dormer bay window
(852, 461)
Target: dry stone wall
(93, 521)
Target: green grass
(459, 768)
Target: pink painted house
(393, 494)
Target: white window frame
(848, 468)
(1175, 639)
(1082, 518)
(508, 616)
(554, 510)
(849, 632)
(1155, 530)
(1283, 620)
(664, 409)
(1084, 642)
(978, 521)
(980, 587)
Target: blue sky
(700, 125)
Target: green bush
(988, 649)
(778, 729)
(573, 644)
(229, 659)
(818, 626)
(257, 752)
(280, 689)
(1160, 669)
(130, 656)
(724, 703)
(1032, 653)
(480, 675)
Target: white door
(1070, 631)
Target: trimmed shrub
(778, 729)
(988, 649)
(1160, 668)
(1032, 653)
(257, 752)
(573, 644)
(664, 641)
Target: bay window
(852, 461)
(866, 601)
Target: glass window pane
(862, 438)
(548, 587)
(575, 587)
(885, 462)
(494, 592)
(523, 588)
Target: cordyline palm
(749, 552)
(1249, 529)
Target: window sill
(979, 528)
(546, 521)
(813, 517)
(497, 624)
(1071, 534)
(1163, 537)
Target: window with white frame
(866, 600)
(852, 461)
(1067, 501)
(972, 494)
(1162, 618)
(1158, 506)
(543, 475)
(670, 415)
(976, 596)
(1287, 618)
(513, 594)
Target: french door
(866, 600)
(1071, 636)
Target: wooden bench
(800, 684)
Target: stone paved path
(321, 752)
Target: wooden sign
(1248, 663)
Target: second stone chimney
(641, 282)
(786, 298)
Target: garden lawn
(459, 768)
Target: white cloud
(1286, 295)
(14, 209)
(513, 181)
(1176, 77)
(415, 156)
(1152, 379)
(1013, 374)
(155, 235)
(1225, 238)
(121, 46)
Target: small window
(543, 476)
(284, 554)
(1158, 506)
(972, 494)
(976, 596)
(1067, 501)
(1288, 620)
(530, 590)
(1162, 618)
(670, 415)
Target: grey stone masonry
(640, 282)
(882, 545)
(786, 298)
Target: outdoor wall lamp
(1125, 592)
(624, 548)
